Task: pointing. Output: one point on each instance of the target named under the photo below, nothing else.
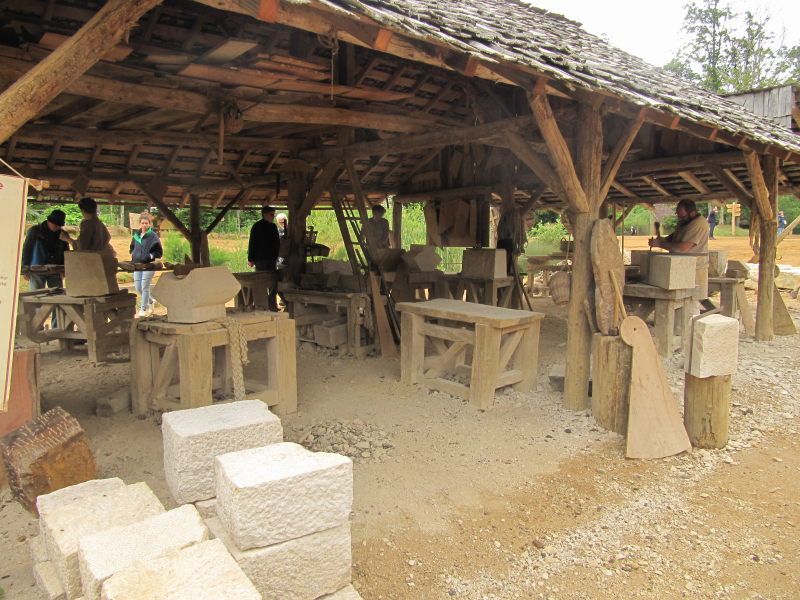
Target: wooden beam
(623, 190)
(464, 192)
(28, 95)
(760, 190)
(655, 185)
(155, 191)
(326, 176)
(540, 167)
(694, 181)
(729, 184)
(559, 153)
(612, 165)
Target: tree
(729, 52)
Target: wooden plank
(655, 429)
(485, 367)
(508, 348)
(611, 378)
(445, 385)
(227, 51)
(28, 95)
(781, 319)
(526, 358)
(385, 336)
(282, 366)
(606, 263)
(195, 370)
(748, 320)
(444, 362)
(412, 348)
(52, 41)
(451, 334)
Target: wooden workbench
(490, 347)
(255, 289)
(672, 311)
(178, 365)
(101, 321)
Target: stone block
(37, 549)
(207, 508)
(205, 571)
(304, 568)
(484, 262)
(281, 492)
(331, 333)
(557, 375)
(46, 578)
(114, 403)
(197, 297)
(47, 454)
(64, 526)
(421, 258)
(78, 492)
(715, 346)
(717, 263)
(738, 269)
(642, 259)
(346, 593)
(110, 551)
(90, 273)
(193, 437)
(388, 259)
(672, 271)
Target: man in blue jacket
(264, 247)
(44, 246)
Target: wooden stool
(504, 347)
(255, 288)
(199, 356)
(102, 321)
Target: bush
(548, 233)
(175, 246)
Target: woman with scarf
(145, 248)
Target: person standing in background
(376, 229)
(45, 244)
(263, 249)
(781, 222)
(712, 222)
(145, 248)
(93, 235)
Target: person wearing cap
(264, 247)
(44, 245)
(93, 235)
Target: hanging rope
(237, 342)
(331, 42)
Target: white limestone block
(346, 593)
(205, 571)
(90, 273)
(281, 492)
(193, 437)
(717, 263)
(64, 526)
(80, 491)
(715, 346)
(421, 258)
(37, 549)
(672, 271)
(207, 508)
(484, 262)
(642, 259)
(197, 297)
(301, 569)
(110, 551)
(46, 578)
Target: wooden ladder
(351, 226)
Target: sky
(652, 30)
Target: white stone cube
(46, 578)
(207, 508)
(484, 262)
(80, 491)
(37, 549)
(346, 593)
(205, 571)
(281, 492)
(672, 271)
(193, 437)
(301, 569)
(110, 551)
(715, 346)
(63, 527)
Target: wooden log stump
(611, 380)
(706, 407)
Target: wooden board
(781, 319)
(655, 428)
(385, 337)
(606, 263)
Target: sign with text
(13, 196)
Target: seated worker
(45, 245)
(376, 229)
(690, 237)
(93, 235)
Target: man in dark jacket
(43, 246)
(263, 249)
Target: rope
(237, 341)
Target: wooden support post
(397, 225)
(295, 262)
(611, 380)
(29, 94)
(242, 195)
(194, 228)
(706, 406)
(766, 254)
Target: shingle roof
(514, 32)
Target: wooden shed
(234, 103)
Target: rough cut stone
(90, 273)
(301, 569)
(110, 551)
(672, 271)
(715, 346)
(207, 508)
(81, 491)
(346, 593)
(421, 258)
(199, 296)
(717, 263)
(642, 259)
(64, 526)
(281, 492)
(205, 571)
(37, 549)
(46, 578)
(193, 437)
(484, 262)
(47, 454)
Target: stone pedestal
(199, 296)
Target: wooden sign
(13, 196)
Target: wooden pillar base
(611, 380)
(706, 407)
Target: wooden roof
(422, 94)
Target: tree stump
(611, 380)
(706, 406)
